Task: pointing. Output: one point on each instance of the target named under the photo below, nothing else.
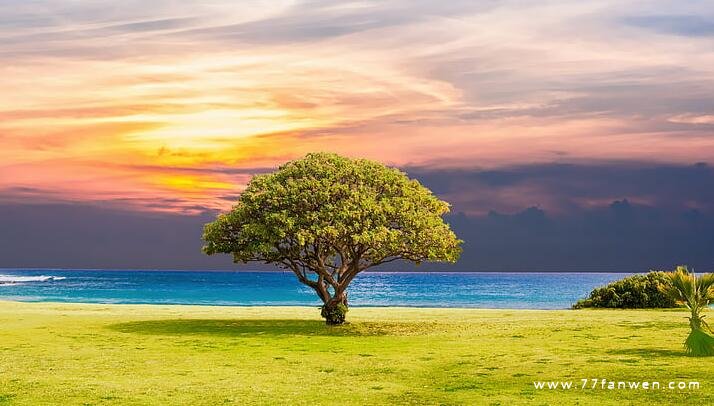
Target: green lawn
(120, 354)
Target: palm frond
(706, 287)
(699, 343)
(697, 293)
(683, 285)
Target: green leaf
(339, 209)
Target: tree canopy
(327, 218)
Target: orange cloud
(105, 108)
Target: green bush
(633, 292)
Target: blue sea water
(423, 289)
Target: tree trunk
(335, 309)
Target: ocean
(243, 288)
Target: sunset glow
(161, 106)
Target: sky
(117, 119)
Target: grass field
(120, 354)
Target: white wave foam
(21, 279)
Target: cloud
(686, 25)
(693, 119)
(567, 188)
(103, 102)
(605, 216)
(84, 236)
(324, 20)
(620, 236)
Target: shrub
(633, 292)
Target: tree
(328, 218)
(696, 293)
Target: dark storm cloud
(568, 187)
(643, 216)
(618, 237)
(83, 236)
